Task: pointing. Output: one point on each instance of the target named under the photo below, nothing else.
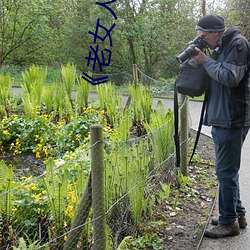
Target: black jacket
(229, 90)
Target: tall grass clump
(33, 85)
(83, 91)
(161, 130)
(68, 74)
(141, 106)
(48, 98)
(5, 90)
(110, 102)
(127, 167)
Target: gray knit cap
(210, 23)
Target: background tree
(149, 33)
(237, 13)
(22, 24)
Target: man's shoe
(221, 231)
(241, 219)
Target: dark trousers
(228, 145)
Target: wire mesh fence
(46, 210)
(55, 210)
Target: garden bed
(178, 222)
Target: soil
(25, 164)
(186, 223)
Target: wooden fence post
(135, 74)
(98, 194)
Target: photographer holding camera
(228, 112)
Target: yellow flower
(37, 196)
(38, 156)
(31, 187)
(14, 209)
(73, 199)
(6, 132)
(69, 211)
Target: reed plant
(62, 106)
(33, 86)
(5, 90)
(6, 184)
(110, 102)
(68, 75)
(122, 127)
(82, 94)
(48, 98)
(161, 132)
(141, 105)
(126, 172)
(56, 187)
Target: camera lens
(187, 53)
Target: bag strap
(199, 127)
(176, 126)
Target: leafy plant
(5, 90)
(30, 208)
(83, 91)
(22, 245)
(6, 184)
(48, 98)
(164, 191)
(161, 126)
(68, 74)
(33, 85)
(141, 104)
(110, 102)
(147, 241)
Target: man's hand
(200, 58)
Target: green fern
(6, 184)
(56, 184)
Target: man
(228, 112)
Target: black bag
(192, 80)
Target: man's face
(211, 38)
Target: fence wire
(40, 211)
(44, 210)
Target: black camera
(190, 51)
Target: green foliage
(5, 90)
(147, 241)
(147, 33)
(83, 91)
(68, 74)
(122, 126)
(30, 245)
(48, 98)
(126, 172)
(127, 160)
(110, 102)
(161, 126)
(141, 103)
(22, 23)
(6, 184)
(57, 188)
(33, 85)
(43, 137)
(30, 206)
(164, 191)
